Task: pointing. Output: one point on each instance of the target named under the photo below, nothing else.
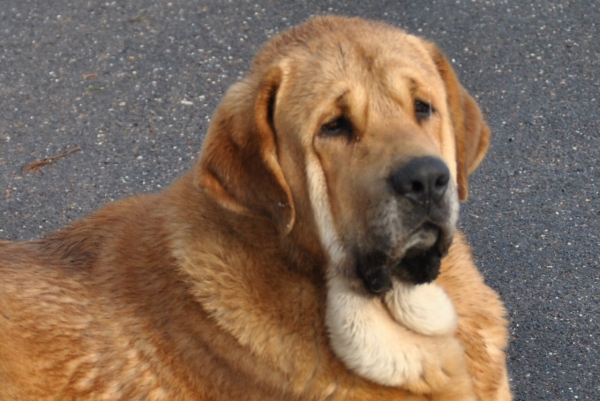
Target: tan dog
(298, 260)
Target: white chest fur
(384, 340)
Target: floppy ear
(471, 132)
(239, 164)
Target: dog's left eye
(337, 127)
(423, 110)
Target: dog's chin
(419, 263)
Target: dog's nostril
(418, 187)
(423, 180)
(442, 181)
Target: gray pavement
(133, 85)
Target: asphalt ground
(129, 88)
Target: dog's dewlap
(371, 335)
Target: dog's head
(357, 134)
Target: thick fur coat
(310, 254)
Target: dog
(311, 253)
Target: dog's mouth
(419, 263)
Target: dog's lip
(418, 263)
(424, 237)
(373, 270)
(441, 241)
(419, 267)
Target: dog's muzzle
(423, 182)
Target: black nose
(423, 180)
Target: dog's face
(361, 136)
(375, 139)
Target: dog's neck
(249, 286)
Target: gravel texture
(133, 85)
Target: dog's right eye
(423, 110)
(337, 127)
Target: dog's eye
(423, 110)
(337, 127)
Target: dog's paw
(423, 308)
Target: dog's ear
(239, 164)
(471, 132)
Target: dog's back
(76, 309)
